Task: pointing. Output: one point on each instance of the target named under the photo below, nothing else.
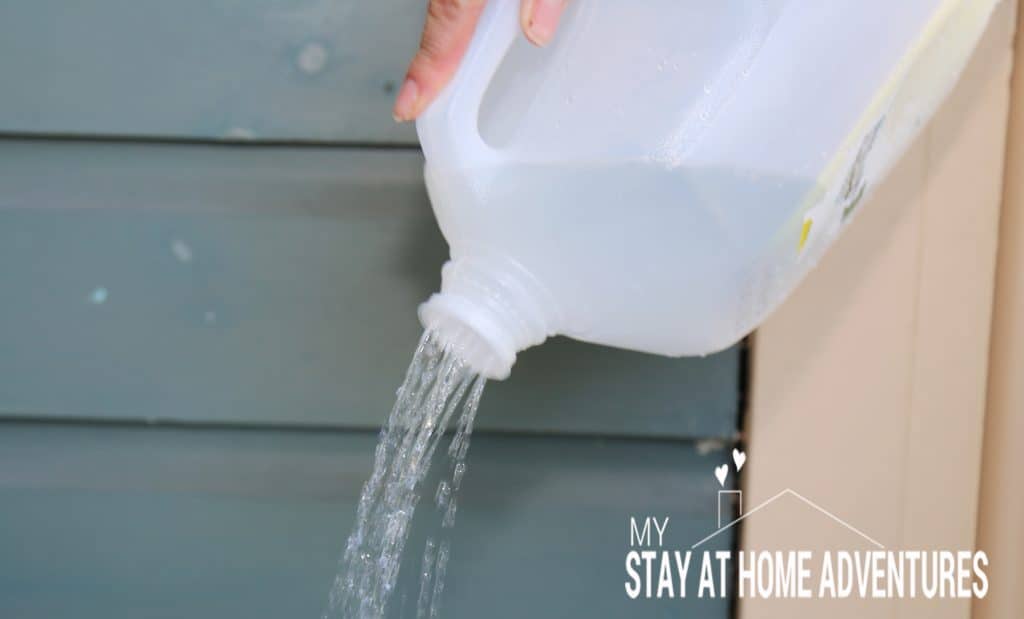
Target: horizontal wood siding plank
(270, 285)
(234, 69)
(150, 522)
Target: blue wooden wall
(198, 339)
(159, 522)
(321, 70)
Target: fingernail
(405, 102)
(543, 20)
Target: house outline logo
(787, 492)
(739, 459)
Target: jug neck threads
(489, 309)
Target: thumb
(539, 19)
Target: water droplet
(457, 474)
(449, 516)
(443, 494)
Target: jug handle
(449, 130)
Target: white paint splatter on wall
(98, 296)
(181, 250)
(312, 58)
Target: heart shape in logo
(740, 458)
(721, 472)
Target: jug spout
(489, 308)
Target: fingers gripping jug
(665, 173)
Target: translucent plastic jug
(663, 175)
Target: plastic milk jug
(665, 172)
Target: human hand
(446, 35)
